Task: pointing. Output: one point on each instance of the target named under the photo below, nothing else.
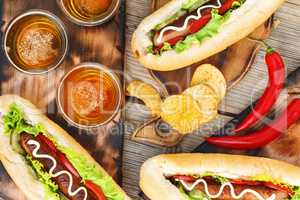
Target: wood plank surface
(285, 38)
(102, 44)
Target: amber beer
(89, 12)
(36, 42)
(89, 95)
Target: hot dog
(187, 31)
(44, 161)
(220, 177)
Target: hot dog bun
(156, 186)
(15, 164)
(243, 21)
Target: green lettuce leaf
(296, 196)
(50, 187)
(220, 179)
(14, 123)
(166, 47)
(192, 5)
(237, 4)
(197, 195)
(193, 195)
(150, 49)
(89, 171)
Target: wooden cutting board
(234, 62)
(103, 44)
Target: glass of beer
(36, 42)
(89, 12)
(89, 95)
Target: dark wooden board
(234, 62)
(103, 44)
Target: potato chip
(207, 99)
(182, 112)
(212, 76)
(147, 93)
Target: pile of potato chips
(196, 106)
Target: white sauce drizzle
(35, 154)
(185, 25)
(258, 196)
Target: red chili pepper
(265, 135)
(276, 71)
(95, 189)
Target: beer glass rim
(62, 30)
(108, 16)
(99, 67)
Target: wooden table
(286, 39)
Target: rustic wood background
(285, 38)
(104, 44)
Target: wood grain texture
(285, 38)
(103, 44)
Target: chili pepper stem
(269, 49)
